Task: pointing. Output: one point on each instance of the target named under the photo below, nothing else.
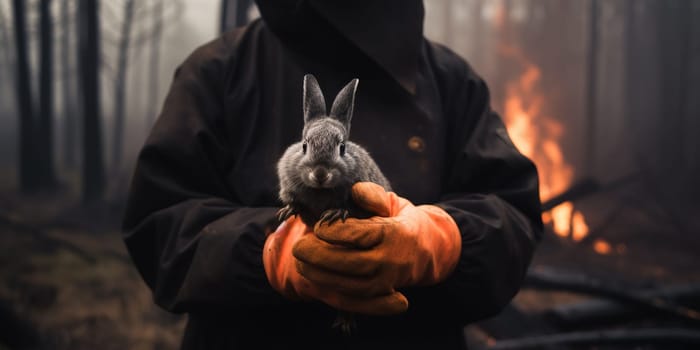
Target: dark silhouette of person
(204, 196)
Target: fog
(606, 133)
(187, 25)
(603, 95)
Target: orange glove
(405, 246)
(280, 268)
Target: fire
(602, 247)
(538, 137)
(536, 134)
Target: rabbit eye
(303, 147)
(342, 148)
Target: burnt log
(596, 312)
(580, 189)
(550, 279)
(513, 323)
(585, 188)
(674, 338)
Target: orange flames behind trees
(538, 137)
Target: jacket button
(416, 144)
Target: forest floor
(649, 243)
(67, 280)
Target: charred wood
(599, 311)
(546, 278)
(502, 326)
(674, 338)
(585, 188)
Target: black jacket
(204, 193)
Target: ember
(602, 247)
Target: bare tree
(89, 53)
(234, 13)
(591, 97)
(154, 61)
(127, 40)
(44, 130)
(6, 60)
(27, 171)
(70, 124)
(120, 84)
(4, 36)
(674, 20)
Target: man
(204, 195)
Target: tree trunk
(477, 28)
(120, 86)
(591, 88)
(4, 38)
(234, 13)
(671, 30)
(631, 70)
(153, 104)
(93, 171)
(70, 125)
(674, 21)
(225, 9)
(27, 171)
(242, 7)
(447, 25)
(44, 130)
(6, 61)
(692, 121)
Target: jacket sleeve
(192, 241)
(491, 191)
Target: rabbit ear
(344, 102)
(314, 103)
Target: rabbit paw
(332, 215)
(286, 212)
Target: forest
(603, 95)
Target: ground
(65, 273)
(654, 244)
(73, 281)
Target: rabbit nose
(320, 175)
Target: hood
(389, 32)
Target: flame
(579, 228)
(538, 137)
(560, 218)
(602, 247)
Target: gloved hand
(406, 245)
(281, 271)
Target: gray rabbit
(316, 174)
